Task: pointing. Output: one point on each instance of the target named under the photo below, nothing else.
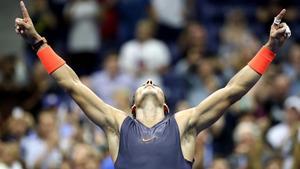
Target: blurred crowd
(190, 48)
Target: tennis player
(153, 140)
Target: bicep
(213, 107)
(96, 109)
(210, 109)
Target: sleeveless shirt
(157, 147)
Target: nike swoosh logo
(147, 140)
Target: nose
(149, 82)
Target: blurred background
(189, 47)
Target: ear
(166, 109)
(133, 109)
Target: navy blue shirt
(157, 147)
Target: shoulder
(127, 123)
(183, 115)
(182, 119)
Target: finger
(281, 14)
(20, 22)
(24, 10)
(17, 31)
(283, 25)
(281, 30)
(288, 31)
(280, 25)
(279, 17)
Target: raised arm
(213, 107)
(97, 111)
(101, 113)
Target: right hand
(25, 27)
(278, 33)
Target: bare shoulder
(183, 119)
(116, 117)
(120, 116)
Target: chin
(155, 97)
(149, 93)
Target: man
(153, 140)
(40, 148)
(282, 136)
(151, 56)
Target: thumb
(280, 32)
(22, 23)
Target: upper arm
(213, 107)
(96, 109)
(205, 113)
(99, 112)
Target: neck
(150, 113)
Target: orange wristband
(262, 60)
(50, 59)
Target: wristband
(38, 45)
(262, 60)
(50, 59)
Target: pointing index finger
(24, 10)
(281, 14)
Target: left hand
(278, 33)
(25, 27)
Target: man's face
(144, 30)
(111, 64)
(149, 89)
